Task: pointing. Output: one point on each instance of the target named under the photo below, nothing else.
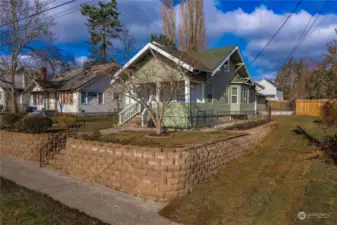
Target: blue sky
(249, 24)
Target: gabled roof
(73, 80)
(207, 60)
(272, 83)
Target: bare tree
(22, 23)
(156, 88)
(169, 20)
(192, 32)
(128, 42)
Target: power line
(305, 33)
(272, 38)
(35, 14)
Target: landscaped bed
(23, 206)
(173, 140)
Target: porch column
(255, 102)
(187, 90)
(158, 91)
(203, 91)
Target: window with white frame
(67, 97)
(83, 98)
(226, 66)
(209, 92)
(244, 96)
(92, 98)
(234, 95)
(100, 98)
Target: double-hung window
(37, 98)
(67, 97)
(244, 96)
(234, 95)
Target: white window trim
(237, 98)
(97, 93)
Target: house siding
(109, 104)
(220, 82)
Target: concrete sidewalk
(106, 204)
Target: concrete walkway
(106, 204)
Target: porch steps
(136, 121)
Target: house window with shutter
(67, 97)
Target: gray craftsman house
(76, 92)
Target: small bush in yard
(9, 120)
(329, 113)
(329, 147)
(37, 124)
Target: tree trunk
(13, 103)
(158, 127)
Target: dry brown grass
(178, 139)
(269, 186)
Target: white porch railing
(129, 112)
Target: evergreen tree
(104, 25)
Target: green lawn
(21, 206)
(93, 123)
(269, 186)
(178, 139)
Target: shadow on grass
(300, 131)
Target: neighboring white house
(76, 92)
(270, 90)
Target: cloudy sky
(249, 24)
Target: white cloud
(259, 26)
(142, 17)
(81, 60)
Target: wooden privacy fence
(309, 107)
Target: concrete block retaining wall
(23, 145)
(152, 174)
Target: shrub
(9, 120)
(37, 124)
(329, 113)
(329, 147)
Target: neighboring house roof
(269, 81)
(259, 85)
(19, 78)
(207, 60)
(74, 79)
